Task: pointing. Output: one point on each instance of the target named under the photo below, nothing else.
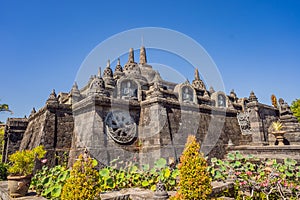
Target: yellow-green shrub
(83, 182)
(22, 162)
(194, 179)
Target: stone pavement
(5, 196)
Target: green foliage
(276, 126)
(115, 177)
(48, 182)
(83, 182)
(1, 141)
(3, 171)
(4, 107)
(194, 179)
(22, 162)
(258, 179)
(295, 107)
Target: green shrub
(194, 179)
(48, 182)
(22, 162)
(3, 171)
(83, 182)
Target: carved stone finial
(252, 97)
(75, 92)
(197, 74)
(131, 56)
(211, 90)
(118, 67)
(160, 192)
(143, 57)
(99, 72)
(108, 73)
(52, 98)
(33, 110)
(197, 82)
(233, 95)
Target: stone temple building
(131, 113)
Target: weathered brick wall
(52, 127)
(14, 130)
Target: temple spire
(197, 74)
(143, 57)
(108, 64)
(99, 72)
(131, 56)
(119, 62)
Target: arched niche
(129, 89)
(221, 99)
(186, 93)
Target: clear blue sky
(255, 44)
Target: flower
(243, 183)
(44, 161)
(249, 173)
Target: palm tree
(4, 107)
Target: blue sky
(255, 44)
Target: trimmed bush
(83, 182)
(194, 179)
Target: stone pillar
(256, 124)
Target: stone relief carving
(244, 122)
(120, 126)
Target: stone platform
(271, 152)
(5, 196)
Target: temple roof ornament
(97, 85)
(99, 73)
(118, 70)
(118, 67)
(211, 90)
(252, 97)
(108, 71)
(197, 82)
(143, 56)
(131, 65)
(52, 98)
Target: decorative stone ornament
(197, 82)
(160, 192)
(244, 122)
(121, 127)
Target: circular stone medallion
(120, 126)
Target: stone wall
(14, 130)
(162, 129)
(52, 127)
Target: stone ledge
(124, 194)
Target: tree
(295, 107)
(4, 107)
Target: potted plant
(21, 168)
(277, 132)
